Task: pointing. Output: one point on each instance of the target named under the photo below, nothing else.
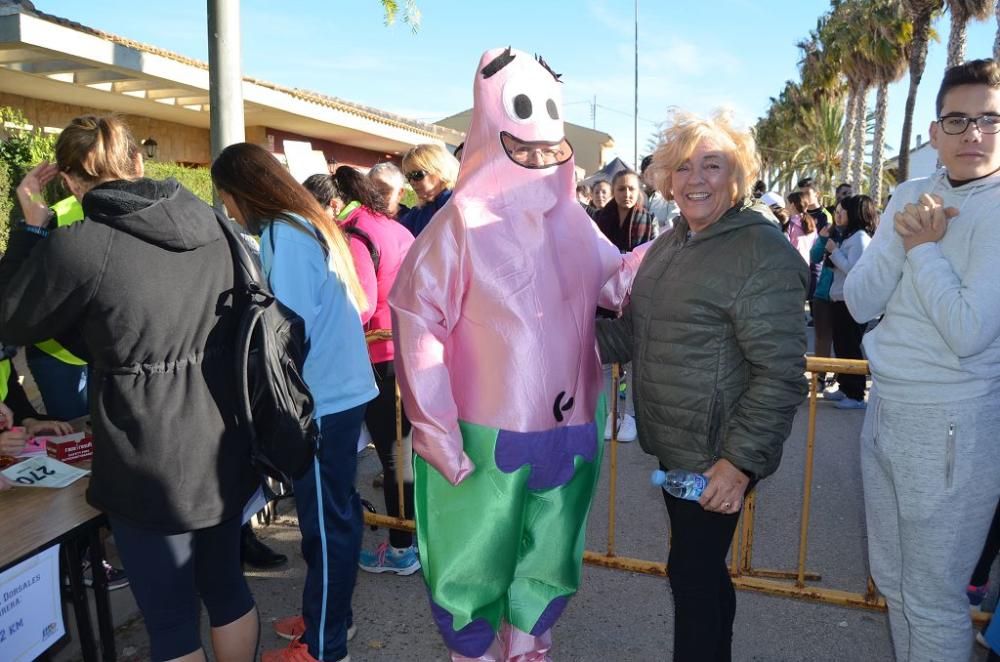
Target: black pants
(704, 598)
(171, 574)
(822, 332)
(991, 548)
(380, 418)
(847, 335)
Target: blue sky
(694, 55)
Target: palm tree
(963, 11)
(921, 14)
(821, 139)
(822, 76)
(842, 37)
(996, 42)
(888, 45)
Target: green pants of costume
(506, 545)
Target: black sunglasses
(416, 175)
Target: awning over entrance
(50, 58)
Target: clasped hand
(924, 221)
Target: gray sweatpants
(931, 479)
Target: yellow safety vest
(68, 211)
(5, 370)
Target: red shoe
(290, 627)
(293, 627)
(295, 652)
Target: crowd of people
(689, 274)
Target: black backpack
(271, 346)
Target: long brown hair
(797, 200)
(264, 191)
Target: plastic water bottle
(680, 483)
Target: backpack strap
(353, 230)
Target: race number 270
(36, 476)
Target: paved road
(619, 616)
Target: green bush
(20, 151)
(6, 207)
(196, 180)
(409, 198)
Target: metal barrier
(785, 583)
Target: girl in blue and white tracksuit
(308, 266)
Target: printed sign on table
(30, 610)
(42, 471)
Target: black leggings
(991, 548)
(704, 598)
(380, 417)
(169, 573)
(847, 335)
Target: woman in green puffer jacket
(716, 337)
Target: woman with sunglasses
(432, 172)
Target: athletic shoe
(386, 558)
(626, 429)
(295, 652)
(848, 403)
(254, 553)
(293, 627)
(833, 395)
(627, 432)
(976, 593)
(116, 577)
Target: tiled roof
(367, 112)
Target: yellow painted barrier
(783, 583)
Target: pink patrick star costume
(493, 315)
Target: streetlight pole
(635, 116)
(225, 74)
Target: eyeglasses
(416, 175)
(956, 126)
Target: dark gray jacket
(717, 339)
(143, 290)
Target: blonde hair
(681, 137)
(96, 149)
(434, 159)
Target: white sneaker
(626, 429)
(833, 395)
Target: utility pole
(635, 117)
(225, 74)
(593, 113)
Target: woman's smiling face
(704, 185)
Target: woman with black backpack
(308, 265)
(142, 289)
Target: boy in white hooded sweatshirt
(930, 455)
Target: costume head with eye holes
(516, 140)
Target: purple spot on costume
(550, 616)
(550, 453)
(471, 641)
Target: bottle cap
(658, 478)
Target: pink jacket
(801, 240)
(392, 241)
(495, 315)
